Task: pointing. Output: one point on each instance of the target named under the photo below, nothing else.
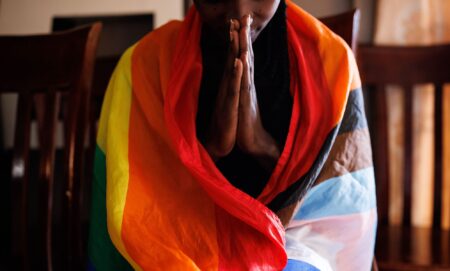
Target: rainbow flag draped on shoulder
(159, 201)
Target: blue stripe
(298, 189)
(347, 194)
(295, 265)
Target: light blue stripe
(295, 265)
(347, 194)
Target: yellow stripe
(113, 139)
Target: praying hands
(236, 119)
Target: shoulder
(313, 35)
(150, 46)
(336, 56)
(164, 33)
(154, 52)
(161, 39)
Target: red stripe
(249, 223)
(312, 119)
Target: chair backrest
(119, 32)
(346, 25)
(41, 69)
(406, 67)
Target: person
(234, 140)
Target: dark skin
(236, 119)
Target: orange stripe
(334, 52)
(168, 221)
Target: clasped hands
(236, 119)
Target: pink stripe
(346, 241)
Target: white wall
(35, 16)
(32, 16)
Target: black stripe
(354, 119)
(298, 189)
(354, 116)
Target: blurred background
(409, 118)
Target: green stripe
(102, 252)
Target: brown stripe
(350, 152)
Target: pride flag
(159, 201)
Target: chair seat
(411, 248)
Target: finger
(225, 117)
(248, 104)
(236, 80)
(236, 24)
(233, 51)
(228, 96)
(234, 38)
(229, 106)
(234, 87)
(243, 133)
(244, 34)
(231, 69)
(245, 81)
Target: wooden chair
(118, 33)
(405, 247)
(41, 69)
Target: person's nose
(238, 9)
